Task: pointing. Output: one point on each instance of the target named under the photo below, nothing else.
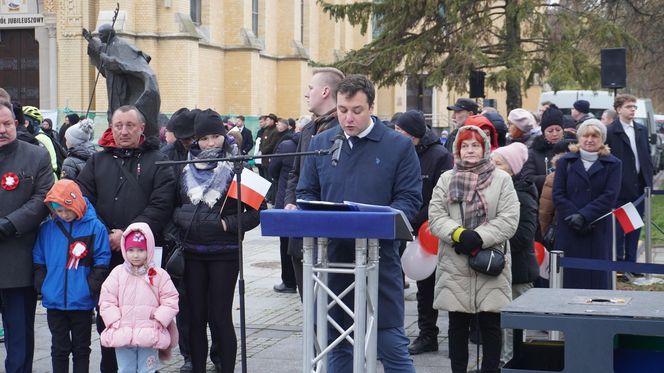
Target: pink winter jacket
(135, 312)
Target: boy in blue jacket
(71, 258)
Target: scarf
(588, 158)
(207, 182)
(466, 185)
(140, 271)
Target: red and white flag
(628, 217)
(254, 188)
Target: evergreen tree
(514, 41)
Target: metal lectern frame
(364, 314)
(366, 228)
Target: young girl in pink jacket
(138, 303)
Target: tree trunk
(513, 52)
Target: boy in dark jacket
(71, 258)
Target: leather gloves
(576, 222)
(468, 241)
(7, 229)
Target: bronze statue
(129, 79)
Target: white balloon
(417, 264)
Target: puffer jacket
(137, 310)
(524, 262)
(459, 288)
(76, 159)
(75, 288)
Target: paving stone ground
(273, 321)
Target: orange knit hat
(67, 194)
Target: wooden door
(19, 65)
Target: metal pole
(308, 300)
(321, 303)
(237, 168)
(555, 282)
(648, 227)
(614, 250)
(360, 308)
(372, 318)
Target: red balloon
(539, 252)
(428, 241)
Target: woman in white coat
(474, 207)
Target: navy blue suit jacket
(632, 182)
(381, 169)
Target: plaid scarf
(466, 185)
(207, 182)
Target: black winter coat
(201, 224)
(147, 198)
(539, 161)
(314, 127)
(434, 160)
(524, 263)
(175, 152)
(76, 159)
(281, 167)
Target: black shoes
(282, 288)
(423, 344)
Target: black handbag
(175, 265)
(489, 261)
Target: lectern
(366, 228)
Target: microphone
(338, 142)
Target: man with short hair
(608, 117)
(247, 136)
(125, 186)
(321, 97)
(25, 178)
(462, 109)
(628, 141)
(434, 160)
(376, 166)
(581, 112)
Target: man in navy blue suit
(376, 166)
(628, 141)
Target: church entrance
(19, 65)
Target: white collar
(365, 132)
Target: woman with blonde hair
(585, 188)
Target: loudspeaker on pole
(476, 82)
(613, 68)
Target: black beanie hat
(182, 124)
(412, 122)
(550, 117)
(208, 122)
(73, 118)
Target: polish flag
(628, 217)
(254, 188)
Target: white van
(599, 100)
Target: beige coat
(458, 288)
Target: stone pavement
(274, 322)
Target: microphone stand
(238, 166)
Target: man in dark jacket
(462, 109)
(125, 186)
(25, 178)
(390, 160)
(322, 101)
(628, 141)
(434, 160)
(247, 136)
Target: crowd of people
(94, 217)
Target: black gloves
(469, 240)
(576, 222)
(7, 229)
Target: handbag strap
(504, 249)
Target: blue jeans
(137, 359)
(392, 352)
